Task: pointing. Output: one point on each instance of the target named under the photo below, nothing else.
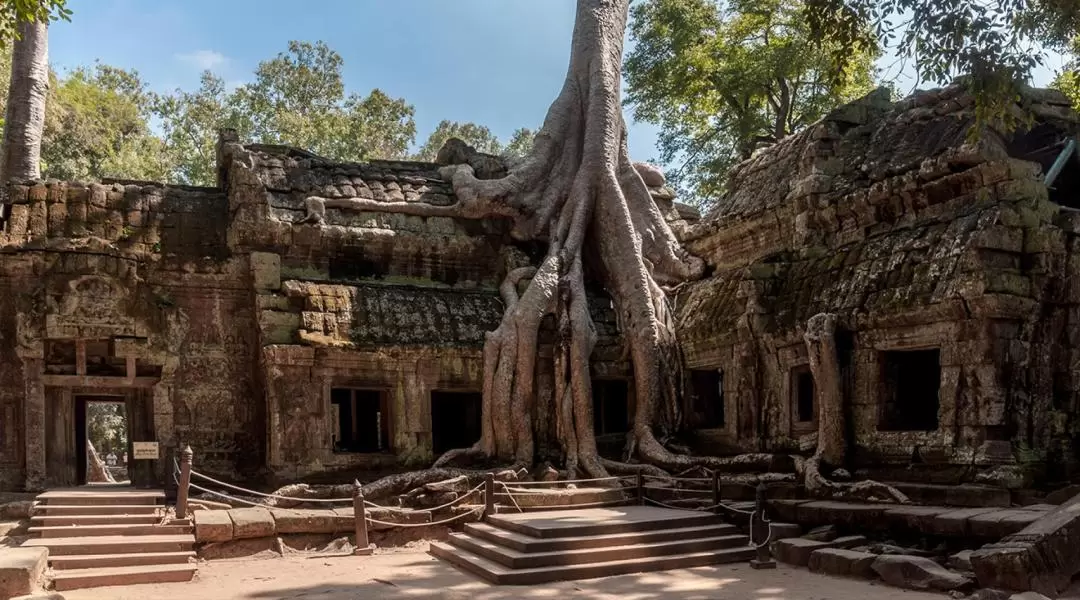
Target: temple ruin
(285, 326)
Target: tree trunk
(25, 119)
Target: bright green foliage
(13, 12)
(96, 125)
(106, 427)
(189, 123)
(478, 136)
(722, 79)
(994, 43)
(521, 142)
(299, 99)
(1068, 80)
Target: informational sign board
(145, 450)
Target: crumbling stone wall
(886, 215)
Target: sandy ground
(411, 573)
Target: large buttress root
(820, 338)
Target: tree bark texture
(25, 119)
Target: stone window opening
(100, 359)
(60, 357)
(361, 420)
(455, 420)
(611, 406)
(707, 386)
(910, 382)
(803, 398)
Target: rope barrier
(670, 478)
(566, 481)
(433, 509)
(506, 490)
(584, 505)
(248, 502)
(264, 495)
(443, 522)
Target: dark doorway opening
(611, 406)
(708, 389)
(455, 420)
(803, 396)
(910, 381)
(361, 420)
(102, 440)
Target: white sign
(145, 450)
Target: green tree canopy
(13, 12)
(478, 136)
(722, 79)
(521, 142)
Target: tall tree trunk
(25, 119)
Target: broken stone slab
(213, 526)
(918, 573)
(955, 523)
(41, 596)
(251, 523)
(22, 570)
(961, 561)
(796, 551)
(824, 533)
(780, 531)
(839, 561)
(1028, 596)
(998, 524)
(310, 521)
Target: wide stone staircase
(539, 547)
(111, 536)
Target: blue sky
(498, 63)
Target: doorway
(455, 420)
(102, 440)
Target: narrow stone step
(88, 578)
(55, 520)
(525, 543)
(104, 509)
(579, 523)
(500, 574)
(65, 531)
(528, 560)
(92, 561)
(103, 497)
(114, 544)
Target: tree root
(817, 486)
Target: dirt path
(411, 573)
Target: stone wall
(917, 239)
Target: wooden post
(489, 494)
(184, 483)
(716, 491)
(640, 488)
(764, 559)
(363, 547)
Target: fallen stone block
(838, 561)
(21, 570)
(780, 531)
(41, 596)
(848, 541)
(955, 522)
(918, 573)
(824, 533)
(310, 521)
(213, 526)
(961, 561)
(796, 551)
(251, 523)
(1028, 596)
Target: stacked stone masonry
(300, 318)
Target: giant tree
(723, 78)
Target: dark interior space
(611, 406)
(455, 420)
(1043, 144)
(910, 383)
(363, 420)
(802, 390)
(707, 386)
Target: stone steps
(88, 578)
(105, 536)
(63, 531)
(89, 561)
(500, 574)
(103, 509)
(539, 547)
(58, 520)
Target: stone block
(266, 270)
(780, 531)
(839, 561)
(213, 526)
(312, 521)
(918, 573)
(961, 561)
(22, 570)
(954, 523)
(796, 551)
(41, 596)
(251, 522)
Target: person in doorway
(110, 459)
